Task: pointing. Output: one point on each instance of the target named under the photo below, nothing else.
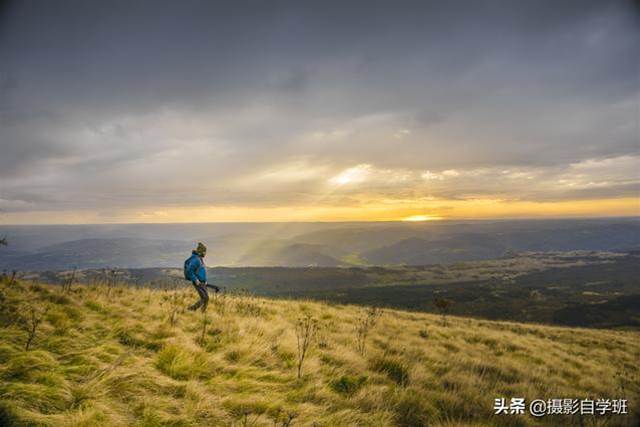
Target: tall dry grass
(117, 356)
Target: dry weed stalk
(36, 316)
(176, 305)
(205, 322)
(306, 328)
(364, 325)
(66, 287)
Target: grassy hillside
(111, 356)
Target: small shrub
(443, 305)
(348, 385)
(423, 333)
(395, 369)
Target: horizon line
(398, 221)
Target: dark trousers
(204, 297)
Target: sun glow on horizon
(421, 218)
(404, 210)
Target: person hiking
(195, 271)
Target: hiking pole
(214, 287)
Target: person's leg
(204, 296)
(202, 299)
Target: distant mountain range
(41, 248)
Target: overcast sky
(116, 111)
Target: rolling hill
(416, 251)
(118, 356)
(125, 252)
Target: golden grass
(115, 360)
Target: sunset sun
(421, 218)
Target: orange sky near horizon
(368, 211)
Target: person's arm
(201, 272)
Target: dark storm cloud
(105, 102)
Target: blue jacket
(194, 269)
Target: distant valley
(40, 248)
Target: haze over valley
(59, 247)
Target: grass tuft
(181, 364)
(396, 369)
(412, 410)
(348, 385)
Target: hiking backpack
(186, 269)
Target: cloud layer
(118, 106)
